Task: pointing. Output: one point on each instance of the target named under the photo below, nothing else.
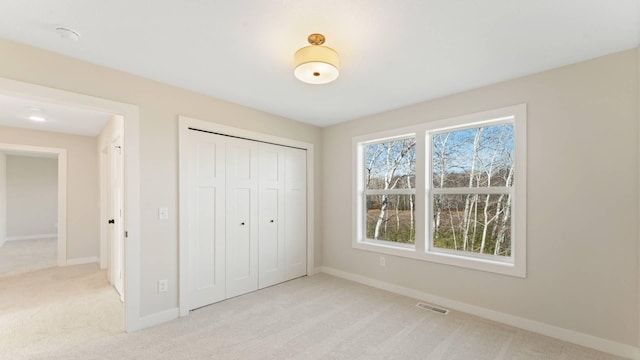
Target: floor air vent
(435, 309)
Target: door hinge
(126, 234)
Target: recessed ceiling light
(37, 118)
(68, 34)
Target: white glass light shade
(316, 64)
(37, 118)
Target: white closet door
(295, 213)
(270, 214)
(242, 217)
(206, 227)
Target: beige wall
(32, 196)
(82, 184)
(160, 106)
(582, 202)
(3, 198)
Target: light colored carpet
(23, 256)
(56, 308)
(319, 317)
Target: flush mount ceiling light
(37, 118)
(68, 34)
(316, 64)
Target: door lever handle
(112, 221)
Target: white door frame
(61, 155)
(184, 123)
(130, 113)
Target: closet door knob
(242, 223)
(271, 221)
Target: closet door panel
(295, 213)
(205, 249)
(206, 227)
(247, 211)
(241, 224)
(239, 234)
(271, 211)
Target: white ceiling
(393, 53)
(15, 112)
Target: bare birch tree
(471, 198)
(440, 153)
(475, 159)
(395, 155)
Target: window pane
(476, 157)
(391, 218)
(473, 222)
(390, 165)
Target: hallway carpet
(23, 256)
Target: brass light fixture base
(316, 39)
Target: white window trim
(513, 266)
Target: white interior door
(116, 189)
(270, 215)
(206, 214)
(241, 217)
(295, 206)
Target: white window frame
(515, 265)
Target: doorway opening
(33, 216)
(12, 230)
(128, 188)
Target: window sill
(468, 262)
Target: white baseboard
(571, 336)
(31, 237)
(158, 318)
(80, 261)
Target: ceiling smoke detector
(68, 34)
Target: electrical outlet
(163, 285)
(163, 213)
(383, 261)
